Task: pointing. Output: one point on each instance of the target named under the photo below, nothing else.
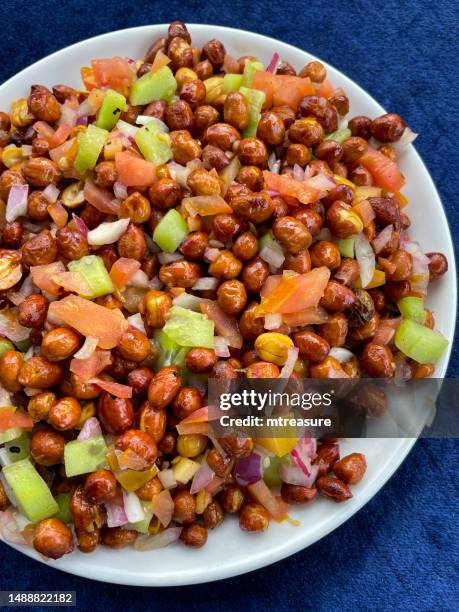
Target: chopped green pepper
(13, 433)
(255, 100)
(90, 145)
(5, 346)
(19, 448)
(112, 106)
(63, 501)
(249, 70)
(94, 272)
(83, 456)
(231, 82)
(170, 353)
(154, 144)
(339, 135)
(170, 231)
(412, 307)
(420, 343)
(159, 85)
(30, 490)
(346, 247)
(189, 328)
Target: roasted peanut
(47, 447)
(201, 360)
(333, 488)
(100, 486)
(32, 310)
(53, 538)
(40, 373)
(296, 494)
(60, 343)
(116, 414)
(153, 421)
(351, 469)
(253, 517)
(180, 274)
(311, 346)
(164, 387)
(64, 414)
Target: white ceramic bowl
(229, 551)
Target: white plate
(229, 551)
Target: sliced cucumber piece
(83, 456)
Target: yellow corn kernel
(379, 278)
(20, 115)
(73, 195)
(401, 199)
(185, 75)
(112, 146)
(214, 87)
(12, 155)
(273, 347)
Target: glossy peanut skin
(200, 360)
(60, 343)
(53, 538)
(164, 387)
(194, 535)
(351, 469)
(139, 442)
(253, 517)
(47, 447)
(100, 486)
(296, 494)
(333, 488)
(312, 346)
(116, 414)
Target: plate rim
(119, 576)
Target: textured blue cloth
(400, 551)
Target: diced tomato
(43, 129)
(87, 76)
(92, 366)
(288, 90)
(193, 428)
(42, 276)
(122, 391)
(276, 506)
(160, 60)
(264, 81)
(314, 315)
(384, 171)
(296, 293)
(101, 198)
(225, 325)
(115, 73)
(162, 506)
(270, 284)
(60, 136)
(365, 212)
(58, 213)
(206, 205)
(90, 319)
(72, 281)
(134, 171)
(325, 89)
(9, 417)
(68, 149)
(122, 270)
(288, 186)
(201, 415)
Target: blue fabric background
(400, 551)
